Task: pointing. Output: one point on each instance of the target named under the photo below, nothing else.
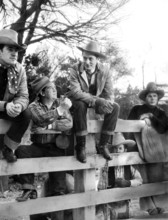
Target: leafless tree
(37, 20)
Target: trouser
(80, 122)
(56, 179)
(17, 129)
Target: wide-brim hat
(118, 139)
(151, 88)
(10, 37)
(39, 84)
(93, 48)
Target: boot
(103, 146)
(27, 194)
(80, 148)
(104, 151)
(8, 154)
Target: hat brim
(129, 143)
(45, 85)
(142, 95)
(8, 41)
(93, 53)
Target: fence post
(85, 180)
(3, 179)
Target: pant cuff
(108, 132)
(81, 133)
(28, 186)
(10, 143)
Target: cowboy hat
(40, 83)
(151, 88)
(118, 138)
(93, 48)
(10, 37)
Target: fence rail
(79, 200)
(85, 198)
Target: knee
(26, 115)
(116, 107)
(79, 105)
(21, 151)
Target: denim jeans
(56, 179)
(80, 121)
(18, 127)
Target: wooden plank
(139, 144)
(85, 181)
(163, 216)
(94, 126)
(78, 200)
(50, 164)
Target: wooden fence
(85, 198)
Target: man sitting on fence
(91, 87)
(47, 112)
(13, 93)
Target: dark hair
(39, 95)
(1, 46)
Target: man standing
(91, 87)
(13, 93)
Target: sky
(143, 37)
(143, 34)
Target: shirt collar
(8, 67)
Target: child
(122, 176)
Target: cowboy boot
(8, 154)
(103, 146)
(104, 151)
(27, 194)
(80, 148)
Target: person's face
(8, 55)
(152, 99)
(119, 148)
(50, 92)
(90, 62)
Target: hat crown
(118, 138)
(151, 86)
(9, 33)
(92, 46)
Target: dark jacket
(159, 119)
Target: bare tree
(37, 20)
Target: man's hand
(146, 117)
(65, 104)
(13, 110)
(103, 106)
(18, 108)
(122, 183)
